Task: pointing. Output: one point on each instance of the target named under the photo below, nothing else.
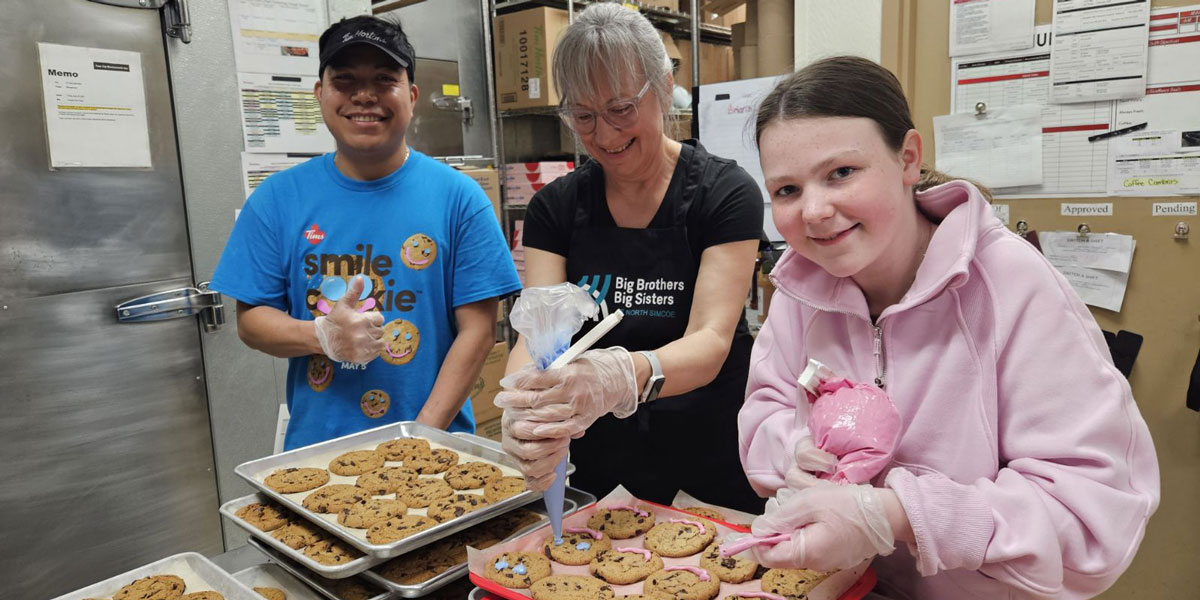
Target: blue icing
(558, 541)
(582, 546)
(501, 565)
(520, 570)
(333, 288)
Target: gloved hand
(832, 527)
(561, 403)
(347, 335)
(536, 456)
(809, 459)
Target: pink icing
(767, 595)
(645, 553)
(701, 573)
(413, 260)
(686, 522)
(324, 377)
(857, 423)
(596, 535)
(636, 511)
(406, 352)
(743, 544)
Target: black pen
(1116, 132)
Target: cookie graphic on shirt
(326, 289)
(320, 372)
(418, 252)
(375, 403)
(400, 339)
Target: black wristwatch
(655, 382)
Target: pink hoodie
(1023, 464)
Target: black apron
(686, 442)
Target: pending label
(1174, 209)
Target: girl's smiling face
(841, 197)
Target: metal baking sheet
(273, 575)
(573, 500)
(470, 447)
(354, 567)
(313, 580)
(198, 574)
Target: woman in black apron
(639, 227)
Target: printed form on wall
(1099, 50)
(276, 36)
(1172, 99)
(95, 103)
(1000, 148)
(280, 114)
(978, 26)
(1096, 265)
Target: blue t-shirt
(428, 241)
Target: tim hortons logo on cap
(314, 235)
(363, 34)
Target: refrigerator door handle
(176, 304)
(177, 19)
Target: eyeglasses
(621, 114)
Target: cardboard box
(488, 384)
(489, 180)
(524, 43)
(716, 63)
(672, 5)
(490, 430)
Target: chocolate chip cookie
(622, 522)
(571, 587)
(505, 487)
(684, 583)
(471, 475)
(398, 448)
(517, 570)
(366, 513)
(705, 512)
(329, 551)
(266, 517)
(457, 505)
(297, 534)
(154, 587)
(421, 492)
(793, 584)
(209, 595)
(511, 522)
(292, 479)
(385, 480)
(398, 528)
(575, 548)
(680, 537)
(727, 568)
(356, 462)
(438, 460)
(271, 593)
(625, 565)
(333, 498)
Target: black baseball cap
(373, 31)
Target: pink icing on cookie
(596, 535)
(636, 511)
(686, 522)
(767, 595)
(701, 573)
(645, 553)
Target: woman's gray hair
(609, 43)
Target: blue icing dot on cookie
(501, 565)
(558, 541)
(582, 546)
(520, 570)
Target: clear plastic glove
(561, 403)
(347, 335)
(811, 458)
(832, 527)
(536, 456)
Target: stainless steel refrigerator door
(437, 131)
(104, 428)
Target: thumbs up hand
(347, 335)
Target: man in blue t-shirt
(374, 270)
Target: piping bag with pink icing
(856, 422)
(548, 317)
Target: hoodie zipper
(877, 346)
(880, 359)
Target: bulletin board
(1162, 301)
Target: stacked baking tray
(198, 574)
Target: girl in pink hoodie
(1023, 468)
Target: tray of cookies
(419, 572)
(295, 537)
(623, 546)
(388, 490)
(273, 582)
(187, 574)
(348, 588)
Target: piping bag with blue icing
(549, 317)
